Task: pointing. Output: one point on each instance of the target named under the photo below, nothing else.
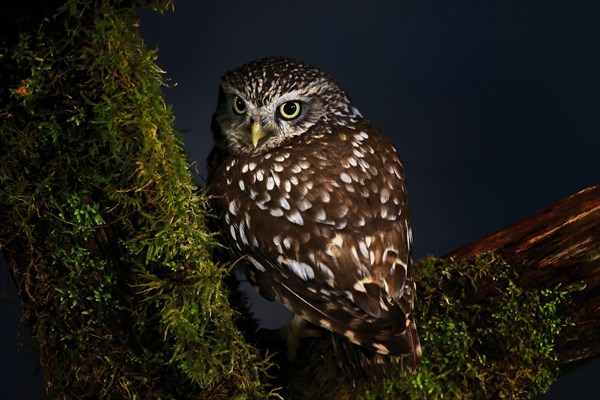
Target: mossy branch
(558, 247)
(106, 239)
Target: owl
(313, 196)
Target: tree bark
(559, 245)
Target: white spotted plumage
(326, 195)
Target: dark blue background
(494, 107)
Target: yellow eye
(239, 107)
(289, 110)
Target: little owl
(314, 197)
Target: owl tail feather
(364, 363)
(366, 346)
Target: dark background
(494, 107)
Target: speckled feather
(319, 209)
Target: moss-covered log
(100, 221)
(106, 239)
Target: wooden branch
(558, 245)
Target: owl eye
(239, 106)
(289, 110)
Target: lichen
(103, 227)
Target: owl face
(260, 107)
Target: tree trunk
(101, 224)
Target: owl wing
(344, 260)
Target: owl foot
(293, 332)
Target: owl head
(267, 102)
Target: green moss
(103, 225)
(481, 334)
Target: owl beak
(257, 133)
